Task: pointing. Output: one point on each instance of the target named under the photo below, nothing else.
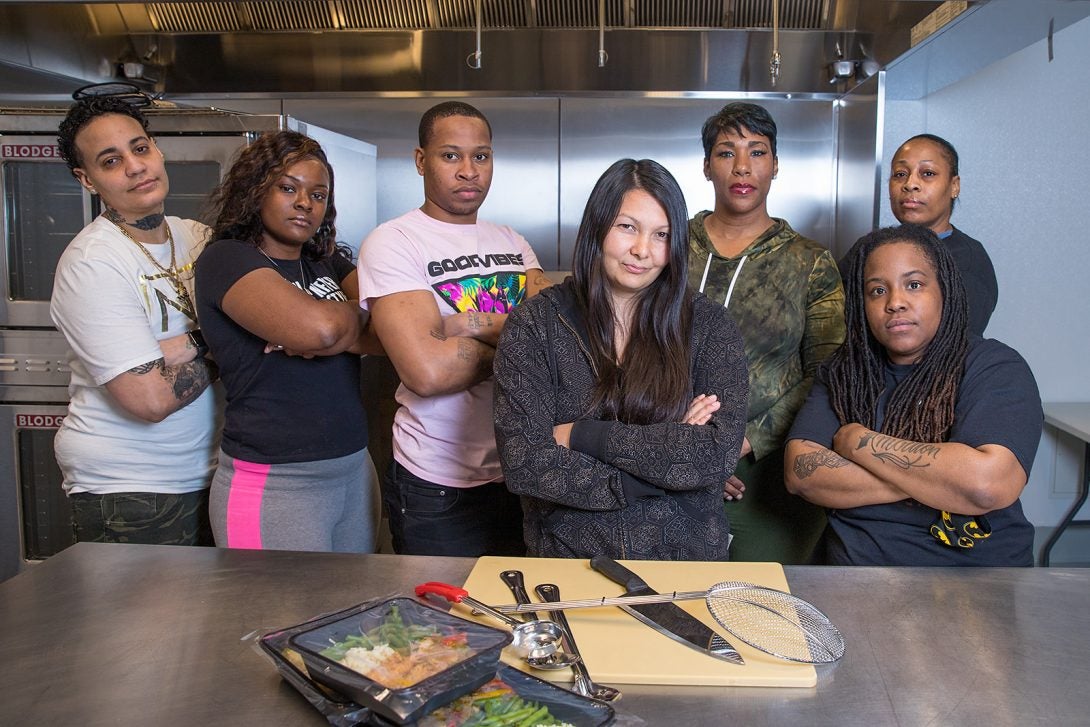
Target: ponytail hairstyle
(236, 202)
(921, 408)
(654, 383)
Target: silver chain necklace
(302, 272)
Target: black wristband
(196, 339)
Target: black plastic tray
(402, 704)
(340, 711)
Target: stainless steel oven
(34, 513)
(44, 206)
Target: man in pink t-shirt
(439, 283)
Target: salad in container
(400, 658)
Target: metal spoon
(531, 639)
(583, 683)
(558, 659)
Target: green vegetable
(393, 632)
(509, 710)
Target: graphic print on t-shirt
(324, 288)
(162, 289)
(498, 293)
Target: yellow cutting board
(617, 648)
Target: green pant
(769, 523)
(141, 517)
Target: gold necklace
(172, 274)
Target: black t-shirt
(998, 403)
(280, 408)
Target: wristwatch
(196, 339)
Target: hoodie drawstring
(733, 280)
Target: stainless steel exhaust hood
(421, 46)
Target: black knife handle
(617, 573)
(515, 581)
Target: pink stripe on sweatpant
(244, 504)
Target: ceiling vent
(356, 15)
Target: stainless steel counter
(136, 634)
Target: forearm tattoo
(467, 350)
(898, 452)
(187, 380)
(541, 280)
(477, 321)
(438, 335)
(807, 464)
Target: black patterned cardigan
(651, 492)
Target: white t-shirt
(114, 307)
(448, 439)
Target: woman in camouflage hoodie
(783, 291)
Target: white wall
(1021, 128)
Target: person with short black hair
(138, 446)
(439, 284)
(784, 292)
(918, 435)
(621, 394)
(924, 186)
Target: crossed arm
(154, 390)
(436, 355)
(270, 307)
(865, 467)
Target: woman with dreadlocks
(917, 435)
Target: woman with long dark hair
(918, 435)
(276, 301)
(620, 394)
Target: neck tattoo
(302, 272)
(146, 223)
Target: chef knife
(668, 619)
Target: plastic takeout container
(399, 657)
(562, 704)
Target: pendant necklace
(172, 273)
(302, 272)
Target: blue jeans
(142, 517)
(430, 519)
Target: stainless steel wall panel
(525, 182)
(860, 190)
(597, 132)
(550, 151)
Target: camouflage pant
(142, 517)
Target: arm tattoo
(541, 280)
(438, 335)
(467, 350)
(477, 321)
(187, 380)
(898, 452)
(807, 464)
(147, 367)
